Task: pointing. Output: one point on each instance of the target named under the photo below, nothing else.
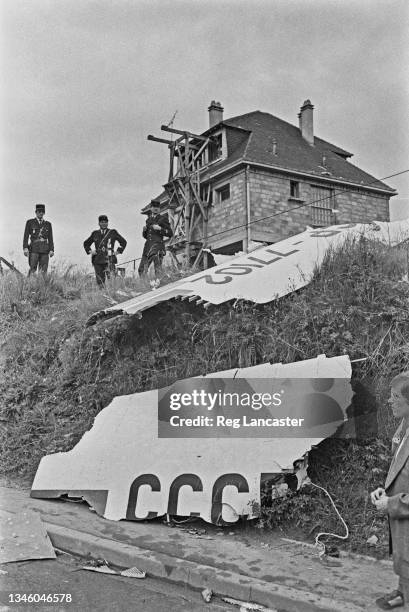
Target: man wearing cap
(103, 253)
(38, 244)
(157, 228)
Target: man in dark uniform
(104, 253)
(38, 244)
(157, 228)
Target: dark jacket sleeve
(166, 230)
(88, 242)
(122, 242)
(145, 232)
(50, 237)
(26, 235)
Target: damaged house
(257, 178)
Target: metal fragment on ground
(133, 572)
(207, 595)
(102, 569)
(372, 540)
(245, 605)
(23, 537)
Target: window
(294, 189)
(322, 205)
(223, 193)
(322, 196)
(215, 148)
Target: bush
(58, 374)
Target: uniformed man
(38, 244)
(103, 252)
(157, 228)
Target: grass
(58, 374)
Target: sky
(85, 81)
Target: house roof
(251, 138)
(292, 152)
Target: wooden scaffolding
(188, 199)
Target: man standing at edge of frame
(394, 498)
(38, 243)
(103, 255)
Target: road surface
(94, 592)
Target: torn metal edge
(96, 498)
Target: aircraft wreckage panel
(122, 468)
(265, 274)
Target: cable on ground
(319, 544)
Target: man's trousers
(102, 272)
(156, 258)
(38, 260)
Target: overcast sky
(84, 82)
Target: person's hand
(382, 504)
(93, 252)
(25, 251)
(377, 494)
(51, 253)
(156, 226)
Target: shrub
(58, 374)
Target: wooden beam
(165, 128)
(10, 265)
(177, 222)
(201, 149)
(171, 161)
(183, 188)
(182, 165)
(175, 260)
(168, 142)
(196, 261)
(172, 198)
(197, 198)
(195, 222)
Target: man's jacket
(38, 236)
(104, 242)
(397, 489)
(154, 236)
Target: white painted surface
(123, 444)
(269, 272)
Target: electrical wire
(319, 544)
(287, 210)
(304, 204)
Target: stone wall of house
(229, 213)
(270, 198)
(270, 194)
(360, 206)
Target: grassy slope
(57, 374)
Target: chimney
(215, 113)
(306, 122)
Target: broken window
(215, 148)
